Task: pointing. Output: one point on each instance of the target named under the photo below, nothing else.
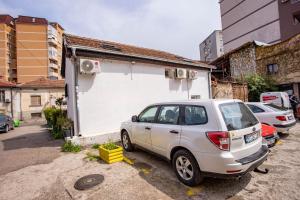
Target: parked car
(281, 118)
(6, 123)
(207, 138)
(269, 133)
(280, 99)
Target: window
(36, 115)
(35, 100)
(195, 115)
(272, 68)
(296, 17)
(2, 96)
(148, 115)
(168, 115)
(237, 116)
(255, 109)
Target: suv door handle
(147, 128)
(174, 132)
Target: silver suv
(215, 138)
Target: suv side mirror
(134, 118)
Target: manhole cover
(142, 165)
(88, 181)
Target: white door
(165, 132)
(142, 129)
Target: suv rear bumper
(247, 164)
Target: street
(32, 167)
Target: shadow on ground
(159, 173)
(31, 140)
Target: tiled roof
(31, 20)
(6, 84)
(129, 50)
(7, 19)
(43, 83)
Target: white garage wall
(123, 89)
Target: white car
(215, 138)
(281, 118)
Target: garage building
(108, 82)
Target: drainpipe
(209, 85)
(11, 103)
(77, 127)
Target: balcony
(53, 66)
(53, 74)
(53, 54)
(52, 41)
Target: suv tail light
(220, 138)
(281, 118)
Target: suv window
(237, 116)
(148, 115)
(255, 109)
(168, 115)
(195, 115)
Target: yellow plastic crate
(111, 156)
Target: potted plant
(110, 152)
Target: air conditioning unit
(88, 66)
(170, 73)
(192, 74)
(181, 73)
(7, 100)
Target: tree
(258, 84)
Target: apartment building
(212, 47)
(33, 48)
(267, 21)
(7, 47)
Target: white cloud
(176, 26)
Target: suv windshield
(275, 107)
(237, 116)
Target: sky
(175, 26)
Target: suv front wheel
(126, 142)
(186, 168)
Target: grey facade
(212, 47)
(268, 21)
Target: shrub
(58, 121)
(258, 84)
(110, 146)
(70, 147)
(96, 146)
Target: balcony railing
(53, 66)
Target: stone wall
(242, 62)
(286, 55)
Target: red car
(270, 134)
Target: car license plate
(251, 137)
(290, 117)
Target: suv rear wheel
(186, 168)
(126, 142)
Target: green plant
(110, 146)
(56, 134)
(59, 102)
(92, 157)
(70, 147)
(96, 146)
(258, 84)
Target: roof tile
(129, 50)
